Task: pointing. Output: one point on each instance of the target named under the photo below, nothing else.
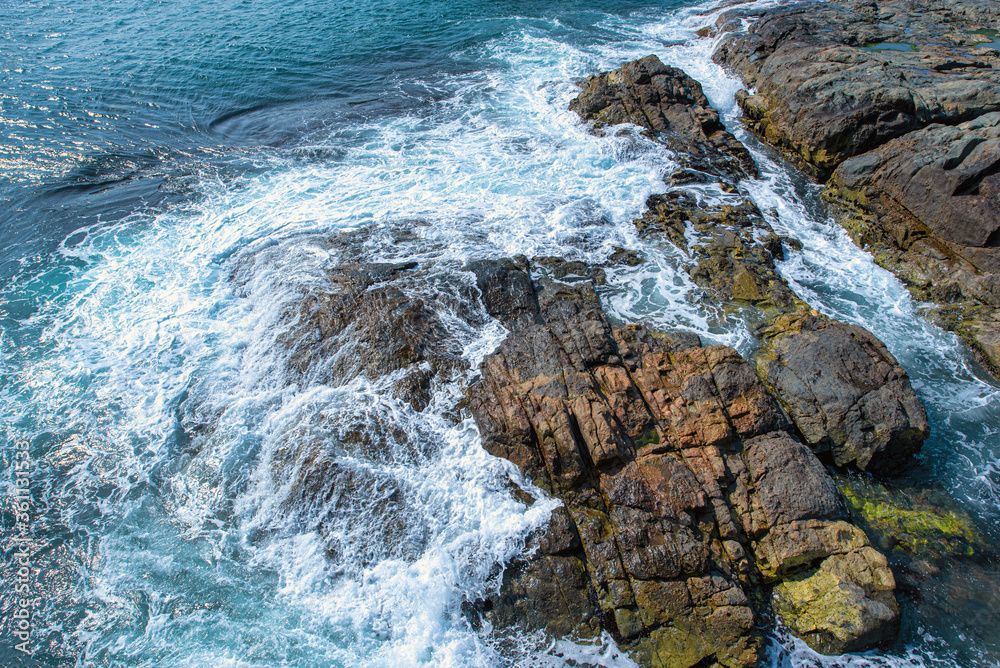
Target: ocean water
(168, 174)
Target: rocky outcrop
(854, 590)
(374, 320)
(673, 107)
(928, 206)
(843, 389)
(947, 177)
(823, 97)
(728, 260)
(731, 246)
(897, 101)
(685, 498)
(688, 498)
(857, 402)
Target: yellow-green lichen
(651, 437)
(919, 529)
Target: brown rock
(674, 476)
(670, 104)
(727, 260)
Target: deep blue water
(154, 150)
(102, 101)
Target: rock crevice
(688, 496)
(900, 117)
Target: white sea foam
(170, 323)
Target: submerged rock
(380, 321)
(944, 564)
(918, 528)
(685, 497)
(843, 389)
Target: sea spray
(142, 354)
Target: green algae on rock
(903, 523)
(835, 606)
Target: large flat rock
(827, 86)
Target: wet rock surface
(673, 107)
(731, 246)
(853, 591)
(928, 206)
(942, 561)
(843, 389)
(685, 498)
(391, 322)
(897, 103)
(830, 84)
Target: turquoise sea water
(166, 172)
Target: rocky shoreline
(704, 494)
(693, 510)
(687, 496)
(895, 105)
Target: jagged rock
(843, 389)
(325, 494)
(735, 268)
(375, 320)
(506, 289)
(672, 105)
(684, 496)
(945, 176)
(627, 257)
(675, 471)
(550, 591)
(789, 483)
(570, 270)
(822, 97)
(728, 261)
(928, 206)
